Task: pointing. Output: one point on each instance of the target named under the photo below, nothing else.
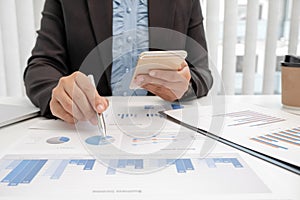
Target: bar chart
(137, 164)
(148, 111)
(182, 166)
(281, 139)
(134, 115)
(213, 162)
(173, 106)
(24, 171)
(250, 118)
(46, 175)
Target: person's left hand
(169, 85)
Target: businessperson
(71, 29)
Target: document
(271, 135)
(82, 177)
(57, 160)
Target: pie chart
(58, 140)
(99, 140)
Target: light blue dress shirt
(130, 38)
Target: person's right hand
(76, 99)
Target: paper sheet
(54, 160)
(274, 133)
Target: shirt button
(126, 70)
(129, 39)
(129, 10)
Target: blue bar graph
(180, 166)
(111, 170)
(19, 178)
(213, 162)
(122, 163)
(81, 162)
(52, 168)
(210, 163)
(13, 164)
(130, 162)
(60, 170)
(188, 164)
(138, 164)
(89, 165)
(282, 139)
(35, 170)
(73, 162)
(15, 172)
(24, 171)
(176, 106)
(127, 115)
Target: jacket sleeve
(48, 61)
(197, 59)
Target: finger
(58, 111)
(64, 99)
(177, 89)
(84, 83)
(185, 72)
(183, 65)
(170, 76)
(64, 95)
(80, 99)
(164, 93)
(80, 105)
(146, 79)
(98, 103)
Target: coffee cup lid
(291, 61)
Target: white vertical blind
(2, 69)
(10, 44)
(212, 28)
(26, 29)
(249, 63)
(19, 20)
(274, 11)
(229, 46)
(294, 27)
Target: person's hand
(169, 85)
(76, 99)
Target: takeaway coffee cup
(290, 77)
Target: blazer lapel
(161, 15)
(101, 19)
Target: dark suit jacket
(71, 29)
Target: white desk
(278, 180)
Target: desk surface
(279, 180)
